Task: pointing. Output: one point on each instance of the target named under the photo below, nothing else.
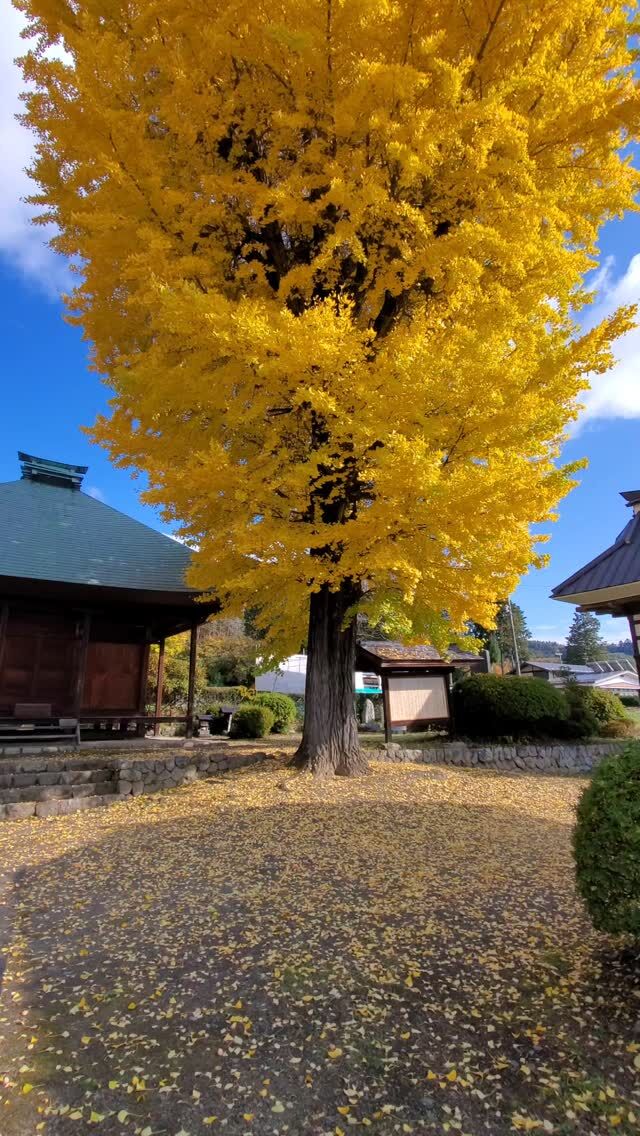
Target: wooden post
(144, 679)
(81, 662)
(387, 707)
(634, 640)
(449, 685)
(4, 620)
(159, 685)
(193, 654)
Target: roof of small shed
(51, 530)
(389, 656)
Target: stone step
(56, 792)
(63, 776)
(20, 810)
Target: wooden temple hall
(84, 592)
(610, 583)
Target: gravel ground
(266, 953)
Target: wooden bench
(34, 720)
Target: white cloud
(22, 244)
(611, 630)
(616, 394)
(93, 491)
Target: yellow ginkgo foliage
(330, 255)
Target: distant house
(610, 583)
(604, 676)
(291, 677)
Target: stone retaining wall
(49, 785)
(568, 758)
(135, 776)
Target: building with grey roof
(84, 592)
(610, 583)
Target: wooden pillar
(144, 680)
(449, 685)
(81, 661)
(159, 685)
(4, 620)
(193, 655)
(634, 639)
(387, 707)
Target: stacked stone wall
(51, 785)
(553, 758)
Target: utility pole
(516, 654)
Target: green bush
(591, 710)
(606, 844)
(616, 729)
(629, 700)
(488, 706)
(281, 706)
(252, 721)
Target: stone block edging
(47, 786)
(577, 757)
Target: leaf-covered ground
(263, 953)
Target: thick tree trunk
(330, 743)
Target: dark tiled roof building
(610, 583)
(84, 591)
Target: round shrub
(591, 710)
(629, 700)
(252, 721)
(281, 706)
(617, 729)
(488, 706)
(606, 844)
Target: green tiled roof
(52, 531)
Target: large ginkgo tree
(330, 258)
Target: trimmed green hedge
(252, 721)
(281, 706)
(488, 706)
(591, 710)
(606, 844)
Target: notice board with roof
(415, 684)
(84, 591)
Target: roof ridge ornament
(51, 472)
(632, 497)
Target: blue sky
(48, 394)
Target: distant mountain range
(550, 648)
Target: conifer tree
(584, 641)
(329, 258)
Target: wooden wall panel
(38, 661)
(113, 675)
(417, 698)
